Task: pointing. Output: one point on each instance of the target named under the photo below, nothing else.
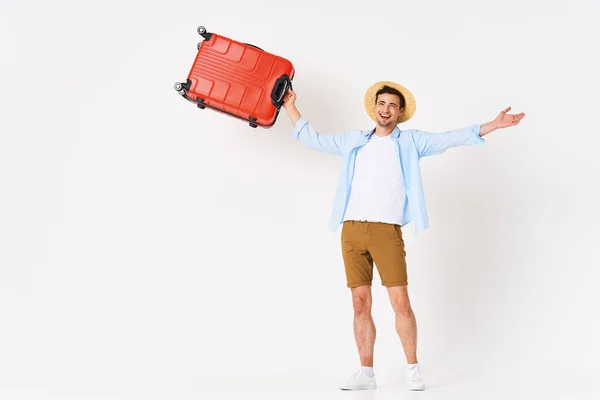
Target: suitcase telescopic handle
(282, 85)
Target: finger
(507, 109)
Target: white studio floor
(489, 387)
(524, 385)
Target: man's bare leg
(406, 324)
(364, 333)
(364, 327)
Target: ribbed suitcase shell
(238, 79)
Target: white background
(149, 249)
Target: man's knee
(400, 301)
(361, 301)
(403, 309)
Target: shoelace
(358, 374)
(414, 375)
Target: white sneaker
(414, 379)
(359, 381)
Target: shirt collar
(395, 133)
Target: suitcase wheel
(179, 88)
(200, 103)
(202, 32)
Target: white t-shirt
(377, 191)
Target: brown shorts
(366, 242)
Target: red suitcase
(238, 79)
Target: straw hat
(410, 105)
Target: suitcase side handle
(282, 85)
(251, 45)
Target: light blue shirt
(412, 146)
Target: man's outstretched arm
(503, 120)
(289, 103)
(429, 144)
(304, 132)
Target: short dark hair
(390, 90)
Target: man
(380, 191)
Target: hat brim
(410, 105)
